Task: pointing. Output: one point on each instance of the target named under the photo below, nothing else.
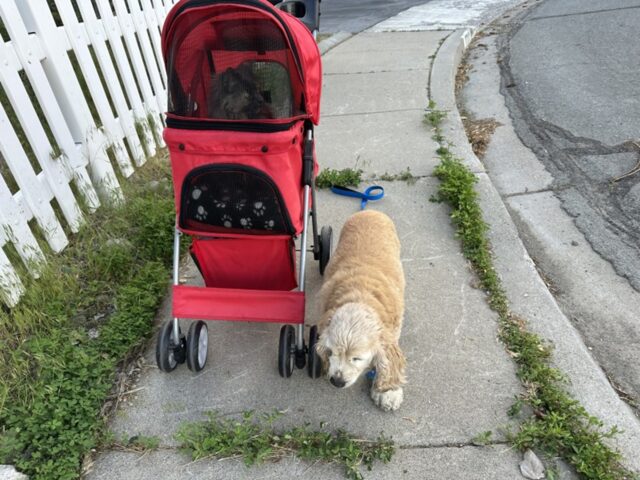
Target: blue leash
(365, 196)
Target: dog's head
(350, 344)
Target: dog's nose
(337, 382)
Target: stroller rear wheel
(324, 240)
(197, 343)
(170, 351)
(314, 362)
(286, 351)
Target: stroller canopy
(240, 60)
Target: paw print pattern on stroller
(244, 96)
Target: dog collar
(371, 374)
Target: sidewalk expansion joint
(553, 189)
(395, 70)
(453, 445)
(353, 114)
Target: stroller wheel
(286, 352)
(197, 343)
(169, 350)
(314, 363)
(325, 247)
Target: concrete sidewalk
(461, 380)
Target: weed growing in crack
(347, 177)
(404, 176)
(256, 440)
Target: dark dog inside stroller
(244, 96)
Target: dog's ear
(323, 353)
(389, 362)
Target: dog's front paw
(389, 400)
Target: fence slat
(97, 37)
(116, 128)
(45, 26)
(112, 30)
(148, 54)
(62, 75)
(13, 218)
(125, 21)
(51, 162)
(46, 88)
(160, 11)
(154, 31)
(11, 287)
(26, 179)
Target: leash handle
(366, 196)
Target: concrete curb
(442, 82)
(526, 291)
(333, 41)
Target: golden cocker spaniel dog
(362, 302)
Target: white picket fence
(116, 40)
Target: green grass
(54, 378)
(256, 440)
(559, 425)
(347, 177)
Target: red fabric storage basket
(277, 155)
(252, 262)
(238, 305)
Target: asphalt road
(570, 70)
(357, 15)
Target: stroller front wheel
(314, 363)
(286, 351)
(169, 350)
(325, 240)
(197, 345)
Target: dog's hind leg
(386, 391)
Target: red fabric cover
(258, 263)
(189, 30)
(282, 162)
(238, 305)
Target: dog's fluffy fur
(362, 301)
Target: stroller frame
(244, 86)
(315, 249)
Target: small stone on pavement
(8, 472)
(531, 467)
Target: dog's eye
(356, 359)
(329, 353)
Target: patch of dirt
(462, 75)
(479, 133)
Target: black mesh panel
(234, 66)
(232, 199)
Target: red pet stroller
(244, 93)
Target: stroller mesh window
(232, 199)
(233, 65)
